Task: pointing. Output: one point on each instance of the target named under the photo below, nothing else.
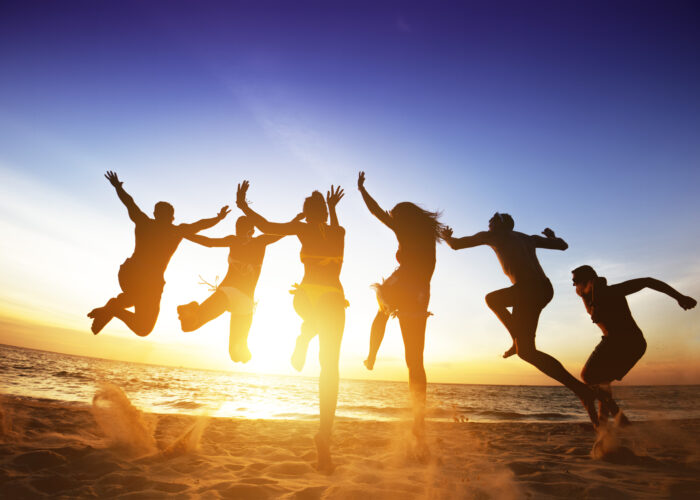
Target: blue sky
(579, 116)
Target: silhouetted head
(164, 212)
(315, 209)
(583, 277)
(408, 216)
(244, 227)
(501, 223)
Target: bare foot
(323, 449)
(299, 354)
(100, 317)
(240, 352)
(187, 313)
(510, 352)
(369, 362)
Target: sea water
(161, 389)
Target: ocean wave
(184, 404)
(66, 374)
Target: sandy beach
(111, 449)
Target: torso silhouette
(610, 311)
(517, 254)
(416, 254)
(244, 264)
(155, 244)
(322, 249)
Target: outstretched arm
(135, 212)
(276, 228)
(201, 225)
(550, 241)
(633, 286)
(372, 205)
(477, 239)
(268, 239)
(211, 242)
(332, 199)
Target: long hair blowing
(410, 217)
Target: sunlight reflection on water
(161, 389)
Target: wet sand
(49, 448)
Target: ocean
(161, 389)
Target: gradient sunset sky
(579, 116)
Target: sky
(579, 116)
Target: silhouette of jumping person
(622, 344)
(319, 299)
(141, 275)
(406, 293)
(530, 293)
(236, 291)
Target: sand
(49, 448)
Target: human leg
(525, 321)
(609, 361)
(143, 319)
(413, 332)
(103, 315)
(376, 336)
(331, 311)
(192, 316)
(304, 308)
(238, 337)
(499, 301)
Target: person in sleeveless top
(236, 292)
(622, 344)
(530, 293)
(141, 275)
(319, 299)
(406, 293)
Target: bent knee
(526, 354)
(143, 330)
(492, 300)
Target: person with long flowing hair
(319, 299)
(406, 293)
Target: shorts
(141, 287)
(613, 359)
(533, 294)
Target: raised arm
(474, 240)
(226, 241)
(550, 241)
(135, 212)
(633, 286)
(201, 225)
(372, 205)
(273, 228)
(332, 199)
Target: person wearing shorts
(530, 293)
(623, 343)
(141, 275)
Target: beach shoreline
(50, 448)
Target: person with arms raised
(141, 275)
(530, 293)
(319, 299)
(236, 292)
(406, 293)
